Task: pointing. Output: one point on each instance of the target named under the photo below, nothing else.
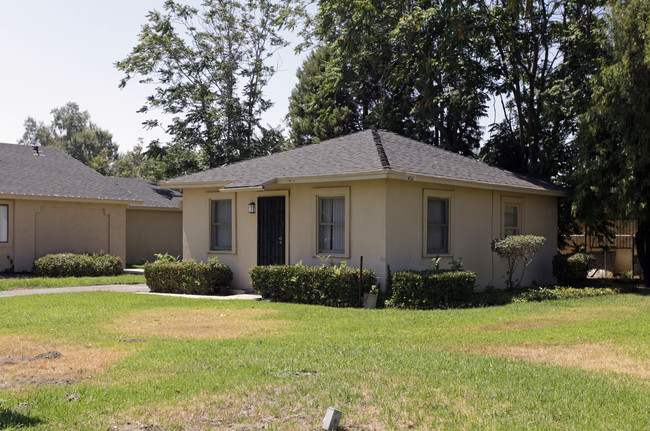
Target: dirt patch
(561, 317)
(197, 323)
(590, 356)
(28, 361)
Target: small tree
(518, 250)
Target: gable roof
(53, 173)
(150, 193)
(366, 154)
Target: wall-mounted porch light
(251, 208)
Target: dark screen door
(270, 231)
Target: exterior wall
(367, 225)
(475, 220)
(152, 231)
(39, 227)
(386, 227)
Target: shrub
(336, 286)
(77, 265)
(431, 289)
(572, 268)
(560, 292)
(517, 250)
(188, 277)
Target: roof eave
(412, 176)
(68, 199)
(171, 184)
(370, 175)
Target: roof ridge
(383, 158)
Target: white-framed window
(4, 223)
(221, 225)
(332, 221)
(511, 216)
(331, 224)
(437, 213)
(437, 226)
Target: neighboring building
(392, 200)
(50, 202)
(155, 225)
(614, 255)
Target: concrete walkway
(124, 288)
(130, 288)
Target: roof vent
(35, 148)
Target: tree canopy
(71, 131)
(427, 69)
(612, 170)
(209, 67)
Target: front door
(270, 231)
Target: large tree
(72, 131)
(615, 132)
(545, 52)
(209, 66)
(419, 68)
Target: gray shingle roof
(363, 152)
(52, 173)
(150, 193)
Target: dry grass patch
(29, 361)
(561, 317)
(197, 323)
(590, 356)
(380, 403)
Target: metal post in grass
(360, 280)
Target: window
(4, 223)
(511, 224)
(437, 226)
(331, 226)
(221, 225)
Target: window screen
(331, 234)
(4, 223)
(221, 225)
(437, 225)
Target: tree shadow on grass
(10, 418)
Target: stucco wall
(385, 227)
(367, 213)
(39, 227)
(152, 231)
(475, 219)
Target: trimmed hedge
(187, 277)
(431, 289)
(77, 265)
(336, 286)
(572, 268)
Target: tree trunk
(643, 248)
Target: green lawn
(180, 363)
(34, 282)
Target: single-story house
(53, 203)
(395, 201)
(156, 224)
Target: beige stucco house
(395, 201)
(52, 203)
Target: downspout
(492, 237)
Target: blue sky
(54, 52)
